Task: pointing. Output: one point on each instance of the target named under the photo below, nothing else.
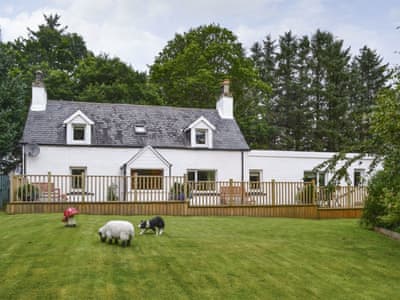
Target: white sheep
(117, 230)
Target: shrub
(382, 207)
(28, 192)
(391, 217)
(177, 191)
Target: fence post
(11, 190)
(273, 191)
(135, 187)
(230, 191)
(185, 186)
(48, 186)
(83, 186)
(348, 195)
(313, 191)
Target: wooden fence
(149, 189)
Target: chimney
(39, 95)
(225, 102)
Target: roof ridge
(129, 104)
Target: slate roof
(114, 125)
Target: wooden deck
(179, 208)
(176, 196)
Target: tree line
(294, 93)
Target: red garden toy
(69, 216)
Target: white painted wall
(290, 165)
(278, 165)
(98, 161)
(227, 163)
(108, 161)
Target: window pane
(321, 179)
(201, 136)
(79, 133)
(191, 175)
(205, 179)
(255, 178)
(358, 177)
(206, 175)
(77, 178)
(309, 176)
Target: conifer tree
(329, 94)
(368, 76)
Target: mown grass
(197, 258)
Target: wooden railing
(93, 189)
(342, 196)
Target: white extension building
(71, 138)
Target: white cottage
(66, 137)
(75, 138)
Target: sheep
(117, 230)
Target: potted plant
(28, 192)
(112, 193)
(177, 192)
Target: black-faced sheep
(117, 230)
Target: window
(318, 177)
(140, 129)
(205, 179)
(77, 175)
(147, 179)
(358, 177)
(79, 132)
(255, 178)
(201, 136)
(78, 129)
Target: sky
(137, 30)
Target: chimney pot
(39, 95)
(225, 88)
(225, 103)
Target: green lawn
(197, 258)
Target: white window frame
(201, 124)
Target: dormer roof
(200, 120)
(76, 115)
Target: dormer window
(201, 136)
(79, 132)
(200, 133)
(78, 129)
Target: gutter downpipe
(23, 160)
(124, 174)
(242, 159)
